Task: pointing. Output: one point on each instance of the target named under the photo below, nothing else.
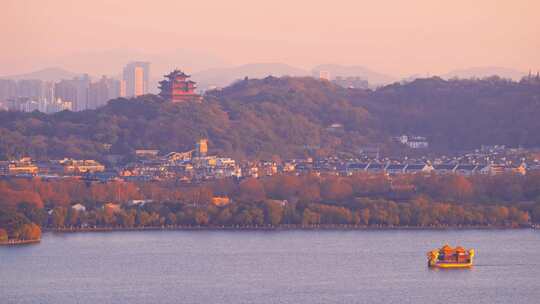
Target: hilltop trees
(286, 117)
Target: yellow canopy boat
(448, 257)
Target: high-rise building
(123, 92)
(23, 104)
(75, 94)
(82, 85)
(8, 89)
(324, 75)
(114, 87)
(39, 92)
(139, 85)
(30, 88)
(75, 90)
(97, 94)
(136, 76)
(102, 91)
(59, 105)
(66, 91)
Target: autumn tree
(127, 218)
(224, 217)
(33, 213)
(58, 218)
(30, 231)
(310, 217)
(201, 217)
(251, 190)
(274, 212)
(335, 189)
(3, 235)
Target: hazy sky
(394, 37)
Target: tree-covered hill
(287, 117)
(460, 114)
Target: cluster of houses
(196, 165)
(349, 167)
(460, 169)
(184, 166)
(413, 141)
(64, 167)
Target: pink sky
(394, 37)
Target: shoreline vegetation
(285, 201)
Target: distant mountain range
(482, 72)
(222, 77)
(335, 70)
(48, 74)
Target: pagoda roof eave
(177, 73)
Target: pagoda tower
(178, 88)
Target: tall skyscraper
(75, 90)
(123, 92)
(102, 91)
(30, 88)
(82, 84)
(136, 76)
(324, 75)
(8, 89)
(66, 91)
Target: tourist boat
(448, 257)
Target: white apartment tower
(135, 79)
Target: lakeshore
(18, 242)
(284, 227)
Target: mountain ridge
(483, 72)
(46, 74)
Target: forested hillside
(287, 117)
(460, 114)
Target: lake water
(387, 266)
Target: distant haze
(393, 38)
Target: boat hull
(451, 265)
